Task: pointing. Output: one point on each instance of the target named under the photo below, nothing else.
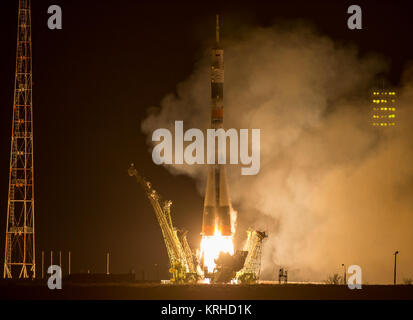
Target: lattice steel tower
(19, 259)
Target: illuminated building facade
(383, 110)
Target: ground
(154, 291)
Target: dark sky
(93, 84)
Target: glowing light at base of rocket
(212, 246)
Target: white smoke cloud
(331, 189)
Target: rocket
(217, 204)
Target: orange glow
(211, 246)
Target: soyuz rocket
(217, 204)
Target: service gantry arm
(252, 265)
(176, 253)
(187, 250)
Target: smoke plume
(332, 189)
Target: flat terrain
(39, 290)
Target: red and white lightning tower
(19, 258)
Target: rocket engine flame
(212, 246)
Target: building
(383, 108)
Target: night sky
(94, 82)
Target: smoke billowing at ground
(331, 188)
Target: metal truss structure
(19, 258)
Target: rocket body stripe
(217, 204)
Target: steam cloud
(331, 189)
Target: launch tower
(19, 258)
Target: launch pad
(187, 265)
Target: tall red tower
(19, 258)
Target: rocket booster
(217, 204)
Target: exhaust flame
(211, 246)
